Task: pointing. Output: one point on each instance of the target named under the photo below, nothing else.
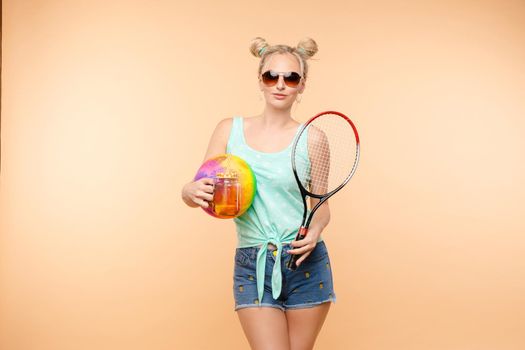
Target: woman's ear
(302, 87)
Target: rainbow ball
(235, 185)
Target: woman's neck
(272, 117)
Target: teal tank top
(277, 209)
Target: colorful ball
(235, 185)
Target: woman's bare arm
(199, 193)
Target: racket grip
(293, 259)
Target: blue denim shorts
(310, 285)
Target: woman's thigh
(304, 325)
(265, 328)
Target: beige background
(107, 108)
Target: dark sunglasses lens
(269, 78)
(292, 79)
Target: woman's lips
(279, 96)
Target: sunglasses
(291, 79)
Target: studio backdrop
(107, 109)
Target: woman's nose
(280, 83)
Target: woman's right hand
(198, 193)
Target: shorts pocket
(242, 257)
(319, 253)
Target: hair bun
(307, 47)
(258, 46)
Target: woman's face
(280, 95)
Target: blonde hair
(304, 51)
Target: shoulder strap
(235, 138)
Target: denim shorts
(309, 285)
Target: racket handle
(293, 259)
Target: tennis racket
(325, 154)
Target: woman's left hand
(305, 246)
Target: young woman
(278, 308)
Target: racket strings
(327, 154)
